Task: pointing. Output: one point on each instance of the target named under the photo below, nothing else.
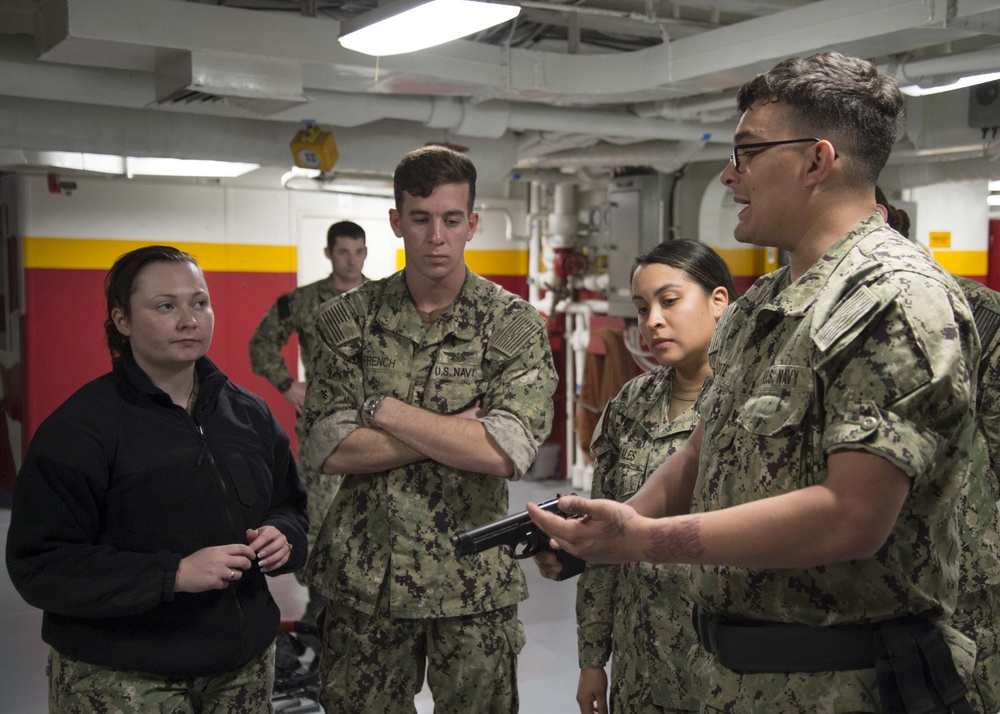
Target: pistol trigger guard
(536, 543)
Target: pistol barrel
(511, 530)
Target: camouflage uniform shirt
(872, 348)
(981, 519)
(978, 611)
(295, 311)
(395, 527)
(640, 612)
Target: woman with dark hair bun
(639, 614)
(149, 508)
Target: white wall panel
(123, 209)
(958, 208)
(257, 217)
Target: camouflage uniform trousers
(374, 664)
(77, 687)
(636, 690)
(630, 692)
(978, 617)
(633, 696)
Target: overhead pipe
(686, 109)
(460, 117)
(913, 70)
(87, 31)
(647, 153)
(542, 176)
(32, 124)
(902, 176)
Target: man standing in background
(295, 311)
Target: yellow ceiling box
(314, 149)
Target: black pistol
(516, 530)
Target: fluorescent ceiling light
(135, 166)
(915, 91)
(993, 185)
(992, 201)
(142, 166)
(411, 25)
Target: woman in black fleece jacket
(149, 507)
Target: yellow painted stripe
(82, 254)
(487, 262)
(746, 261)
(963, 262)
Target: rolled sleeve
(513, 438)
(324, 437)
(902, 388)
(519, 404)
(864, 425)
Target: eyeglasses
(762, 145)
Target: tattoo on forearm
(673, 542)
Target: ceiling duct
(260, 85)
(895, 178)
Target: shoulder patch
(515, 335)
(336, 325)
(859, 304)
(987, 323)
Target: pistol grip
(571, 565)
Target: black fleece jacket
(117, 486)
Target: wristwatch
(286, 385)
(368, 409)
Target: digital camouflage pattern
(396, 526)
(472, 662)
(295, 311)
(871, 348)
(978, 611)
(638, 614)
(976, 617)
(77, 687)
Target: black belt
(914, 667)
(760, 646)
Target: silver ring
(232, 575)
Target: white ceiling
(584, 86)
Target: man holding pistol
(817, 495)
(430, 388)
